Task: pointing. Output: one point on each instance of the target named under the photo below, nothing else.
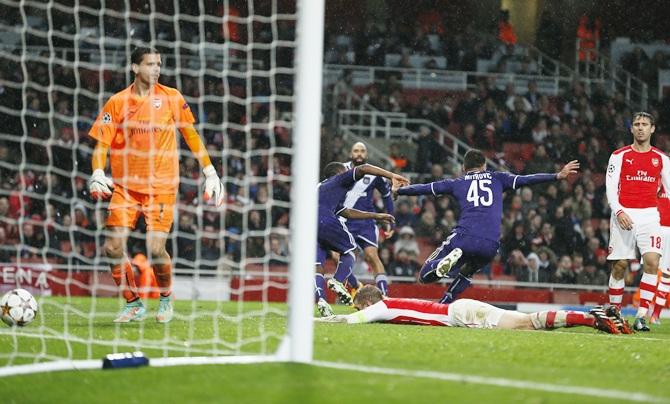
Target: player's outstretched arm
(396, 180)
(331, 319)
(99, 185)
(349, 213)
(569, 169)
(377, 312)
(214, 189)
(433, 188)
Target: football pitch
(363, 363)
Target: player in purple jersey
(366, 232)
(475, 239)
(333, 234)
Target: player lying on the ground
(334, 235)
(373, 307)
(474, 241)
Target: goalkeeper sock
(163, 273)
(344, 266)
(319, 287)
(125, 271)
(382, 283)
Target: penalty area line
(496, 381)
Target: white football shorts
(474, 314)
(646, 235)
(664, 265)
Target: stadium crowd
(554, 233)
(45, 151)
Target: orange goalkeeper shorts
(126, 206)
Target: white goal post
(309, 67)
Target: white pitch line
(497, 381)
(634, 337)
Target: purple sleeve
(347, 178)
(384, 188)
(434, 188)
(511, 181)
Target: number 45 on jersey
(480, 193)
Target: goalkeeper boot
(338, 288)
(165, 311)
(134, 311)
(444, 266)
(324, 308)
(640, 324)
(602, 322)
(621, 323)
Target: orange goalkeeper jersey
(141, 133)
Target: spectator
(406, 241)
(427, 224)
(541, 162)
(532, 95)
(591, 276)
(186, 239)
(505, 30)
(404, 215)
(536, 272)
(400, 160)
(517, 240)
(278, 250)
(517, 265)
(385, 257)
(428, 151)
(403, 265)
(546, 264)
(580, 206)
(210, 248)
(564, 272)
(603, 233)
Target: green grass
(577, 357)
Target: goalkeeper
(137, 127)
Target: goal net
(242, 288)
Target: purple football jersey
(480, 197)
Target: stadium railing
(444, 79)
(372, 123)
(602, 69)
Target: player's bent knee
(651, 262)
(512, 320)
(619, 268)
(157, 251)
(113, 249)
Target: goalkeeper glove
(213, 186)
(100, 186)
